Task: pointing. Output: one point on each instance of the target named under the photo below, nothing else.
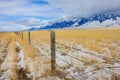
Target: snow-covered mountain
(96, 21)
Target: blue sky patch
(39, 2)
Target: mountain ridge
(105, 20)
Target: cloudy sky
(23, 14)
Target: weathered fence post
(19, 34)
(22, 35)
(29, 37)
(53, 54)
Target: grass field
(86, 45)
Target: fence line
(54, 56)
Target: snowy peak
(103, 17)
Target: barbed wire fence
(54, 56)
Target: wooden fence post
(53, 54)
(29, 37)
(22, 35)
(19, 34)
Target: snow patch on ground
(21, 63)
(51, 78)
(21, 60)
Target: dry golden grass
(90, 34)
(4, 41)
(90, 38)
(93, 39)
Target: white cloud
(32, 22)
(84, 7)
(25, 8)
(23, 24)
(11, 26)
(57, 8)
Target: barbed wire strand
(99, 56)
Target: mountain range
(96, 21)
